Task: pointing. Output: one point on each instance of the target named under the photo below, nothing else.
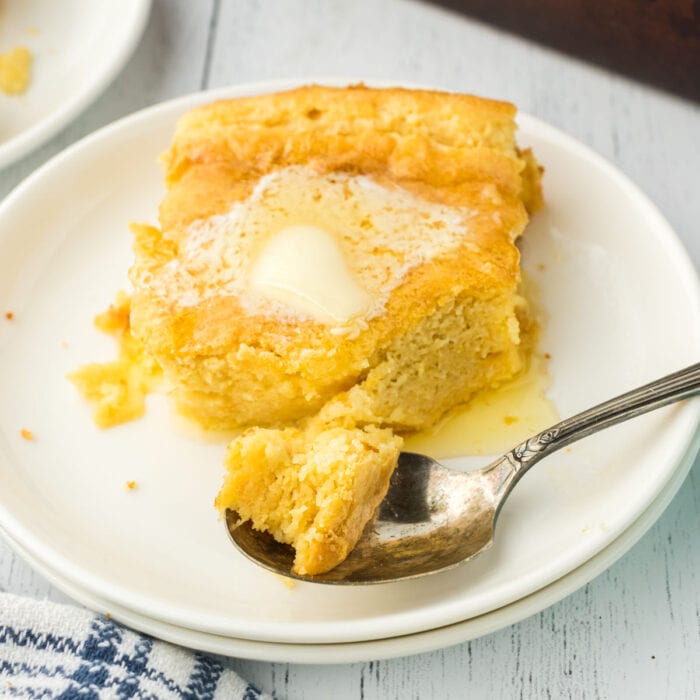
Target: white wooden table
(634, 632)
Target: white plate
(78, 48)
(623, 308)
(394, 646)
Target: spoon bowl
(434, 518)
(420, 527)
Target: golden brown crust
(358, 124)
(435, 139)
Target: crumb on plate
(15, 70)
(131, 485)
(26, 434)
(118, 389)
(9, 315)
(288, 582)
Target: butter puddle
(494, 421)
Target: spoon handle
(669, 389)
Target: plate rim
(26, 141)
(687, 418)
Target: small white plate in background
(78, 48)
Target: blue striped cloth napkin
(60, 651)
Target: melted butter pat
(303, 268)
(494, 421)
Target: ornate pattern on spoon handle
(533, 448)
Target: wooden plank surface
(635, 630)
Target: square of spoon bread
(334, 268)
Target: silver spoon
(433, 518)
